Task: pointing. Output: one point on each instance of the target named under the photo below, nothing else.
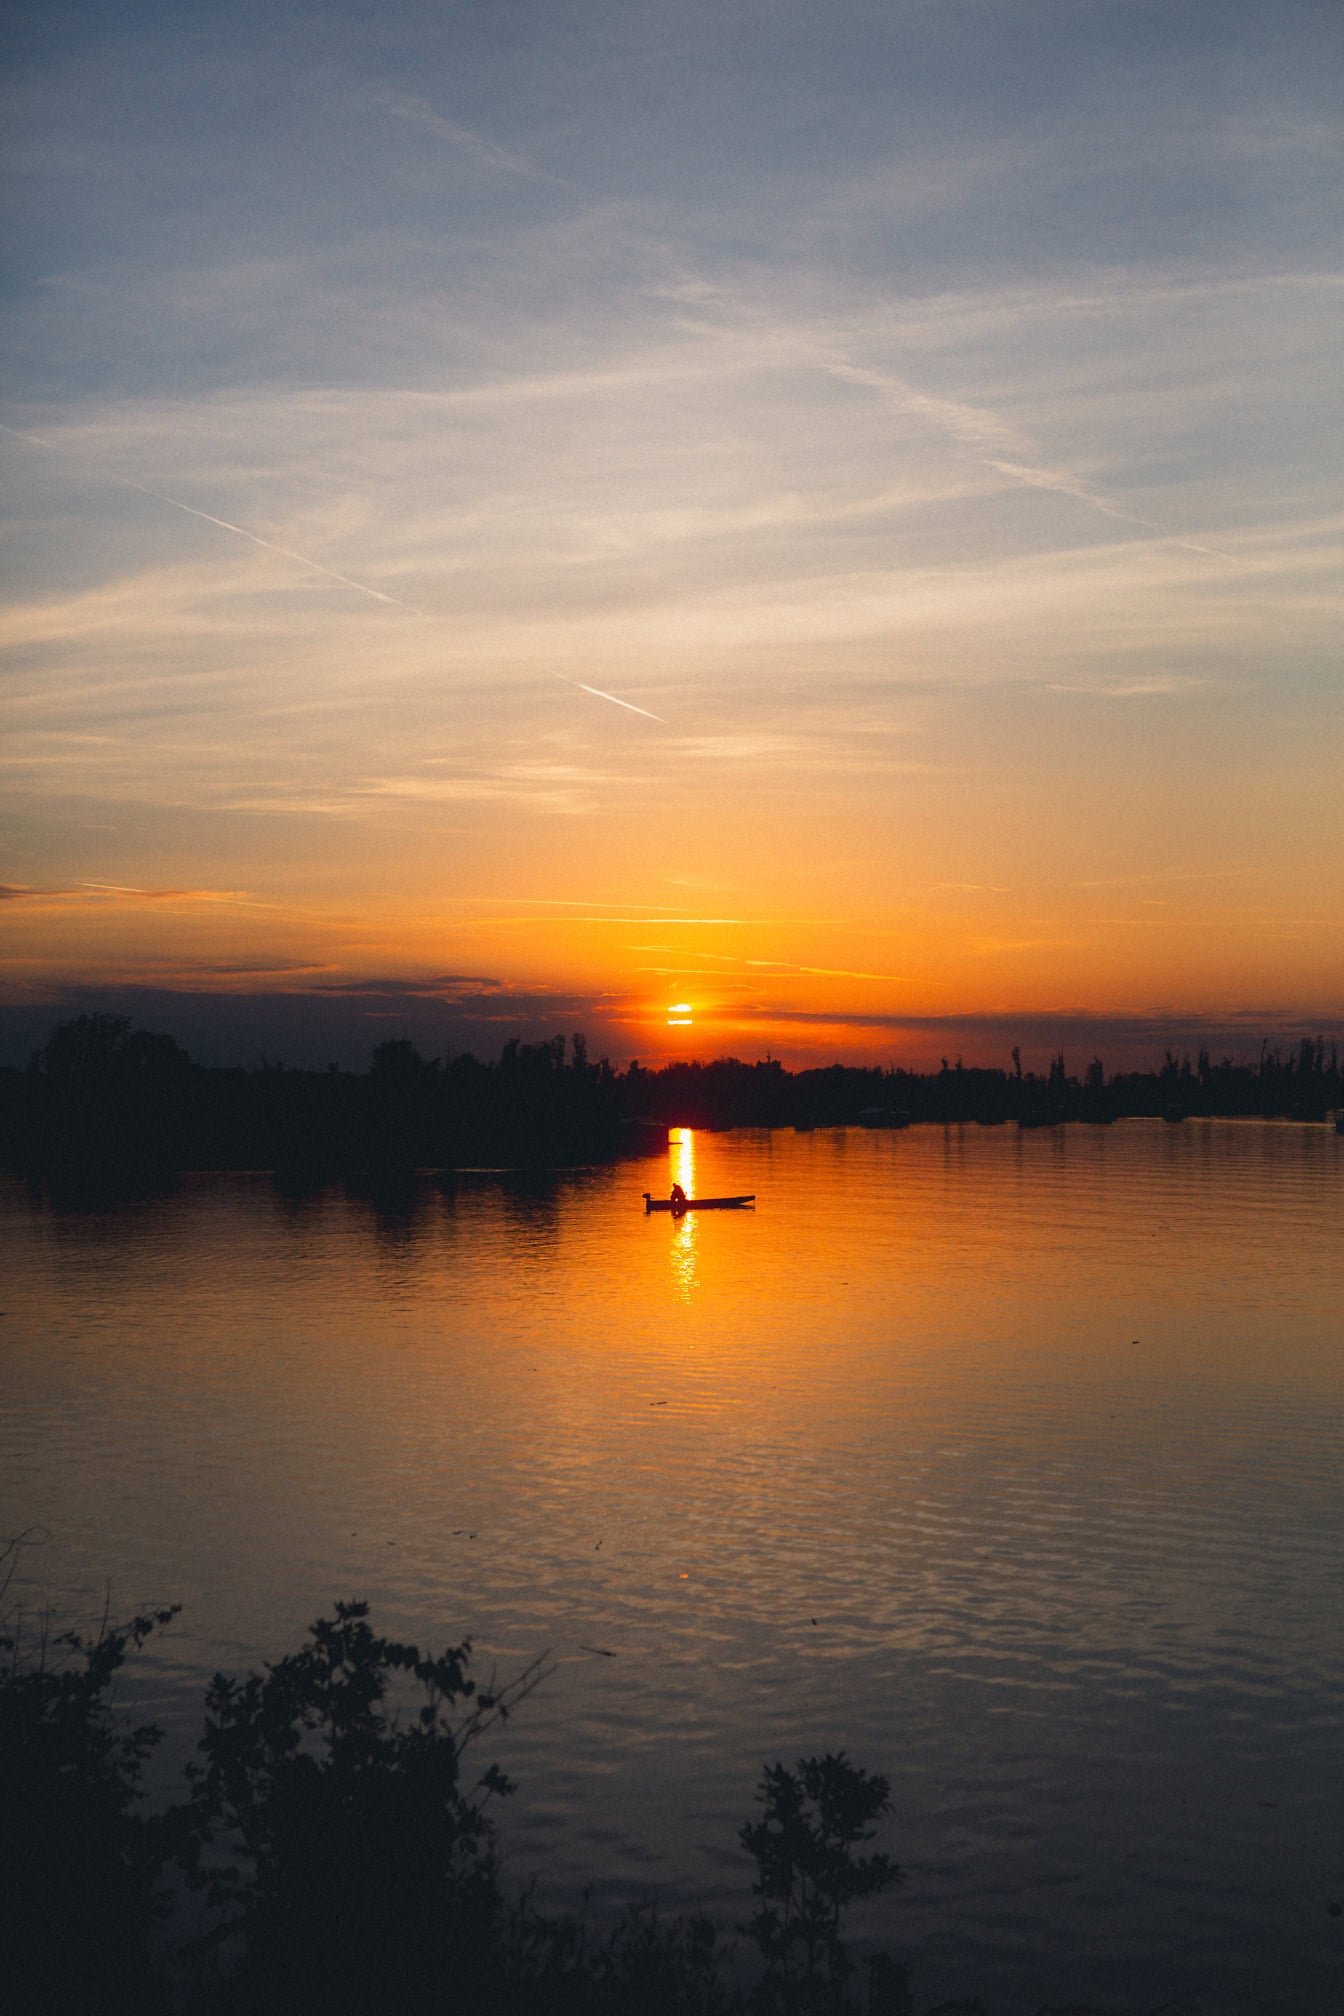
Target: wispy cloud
(104, 893)
(716, 962)
(432, 986)
(635, 910)
(565, 788)
(486, 153)
(1229, 872)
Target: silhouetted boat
(698, 1203)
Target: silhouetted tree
(396, 1062)
(364, 1871)
(808, 1875)
(80, 1866)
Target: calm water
(1014, 1464)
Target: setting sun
(679, 1015)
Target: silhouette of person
(678, 1200)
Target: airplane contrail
(225, 525)
(360, 587)
(303, 559)
(598, 694)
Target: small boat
(696, 1203)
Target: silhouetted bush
(80, 1868)
(363, 1872)
(350, 1858)
(808, 1875)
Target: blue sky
(856, 486)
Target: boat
(696, 1203)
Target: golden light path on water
(681, 1157)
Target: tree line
(102, 1094)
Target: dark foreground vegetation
(341, 1847)
(99, 1093)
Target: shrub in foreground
(348, 1852)
(80, 1866)
(363, 1871)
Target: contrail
(224, 524)
(598, 694)
(994, 441)
(302, 559)
(360, 587)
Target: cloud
(101, 889)
(102, 895)
(417, 111)
(248, 969)
(637, 910)
(438, 986)
(697, 961)
(556, 788)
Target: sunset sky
(525, 513)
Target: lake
(1012, 1463)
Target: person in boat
(678, 1200)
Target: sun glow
(681, 1160)
(679, 1015)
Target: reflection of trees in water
(394, 1204)
(299, 1194)
(535, 1201)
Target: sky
(523, 514)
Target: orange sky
(874, 577)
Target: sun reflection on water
(681, 1160)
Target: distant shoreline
(100, 1095)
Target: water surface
(1012, 1463)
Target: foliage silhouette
(353, 1859)
(365, 1875)
(368, 1874)
(808, 1875)
(645, 1965)
(79, 1866)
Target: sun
(679, 1015)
